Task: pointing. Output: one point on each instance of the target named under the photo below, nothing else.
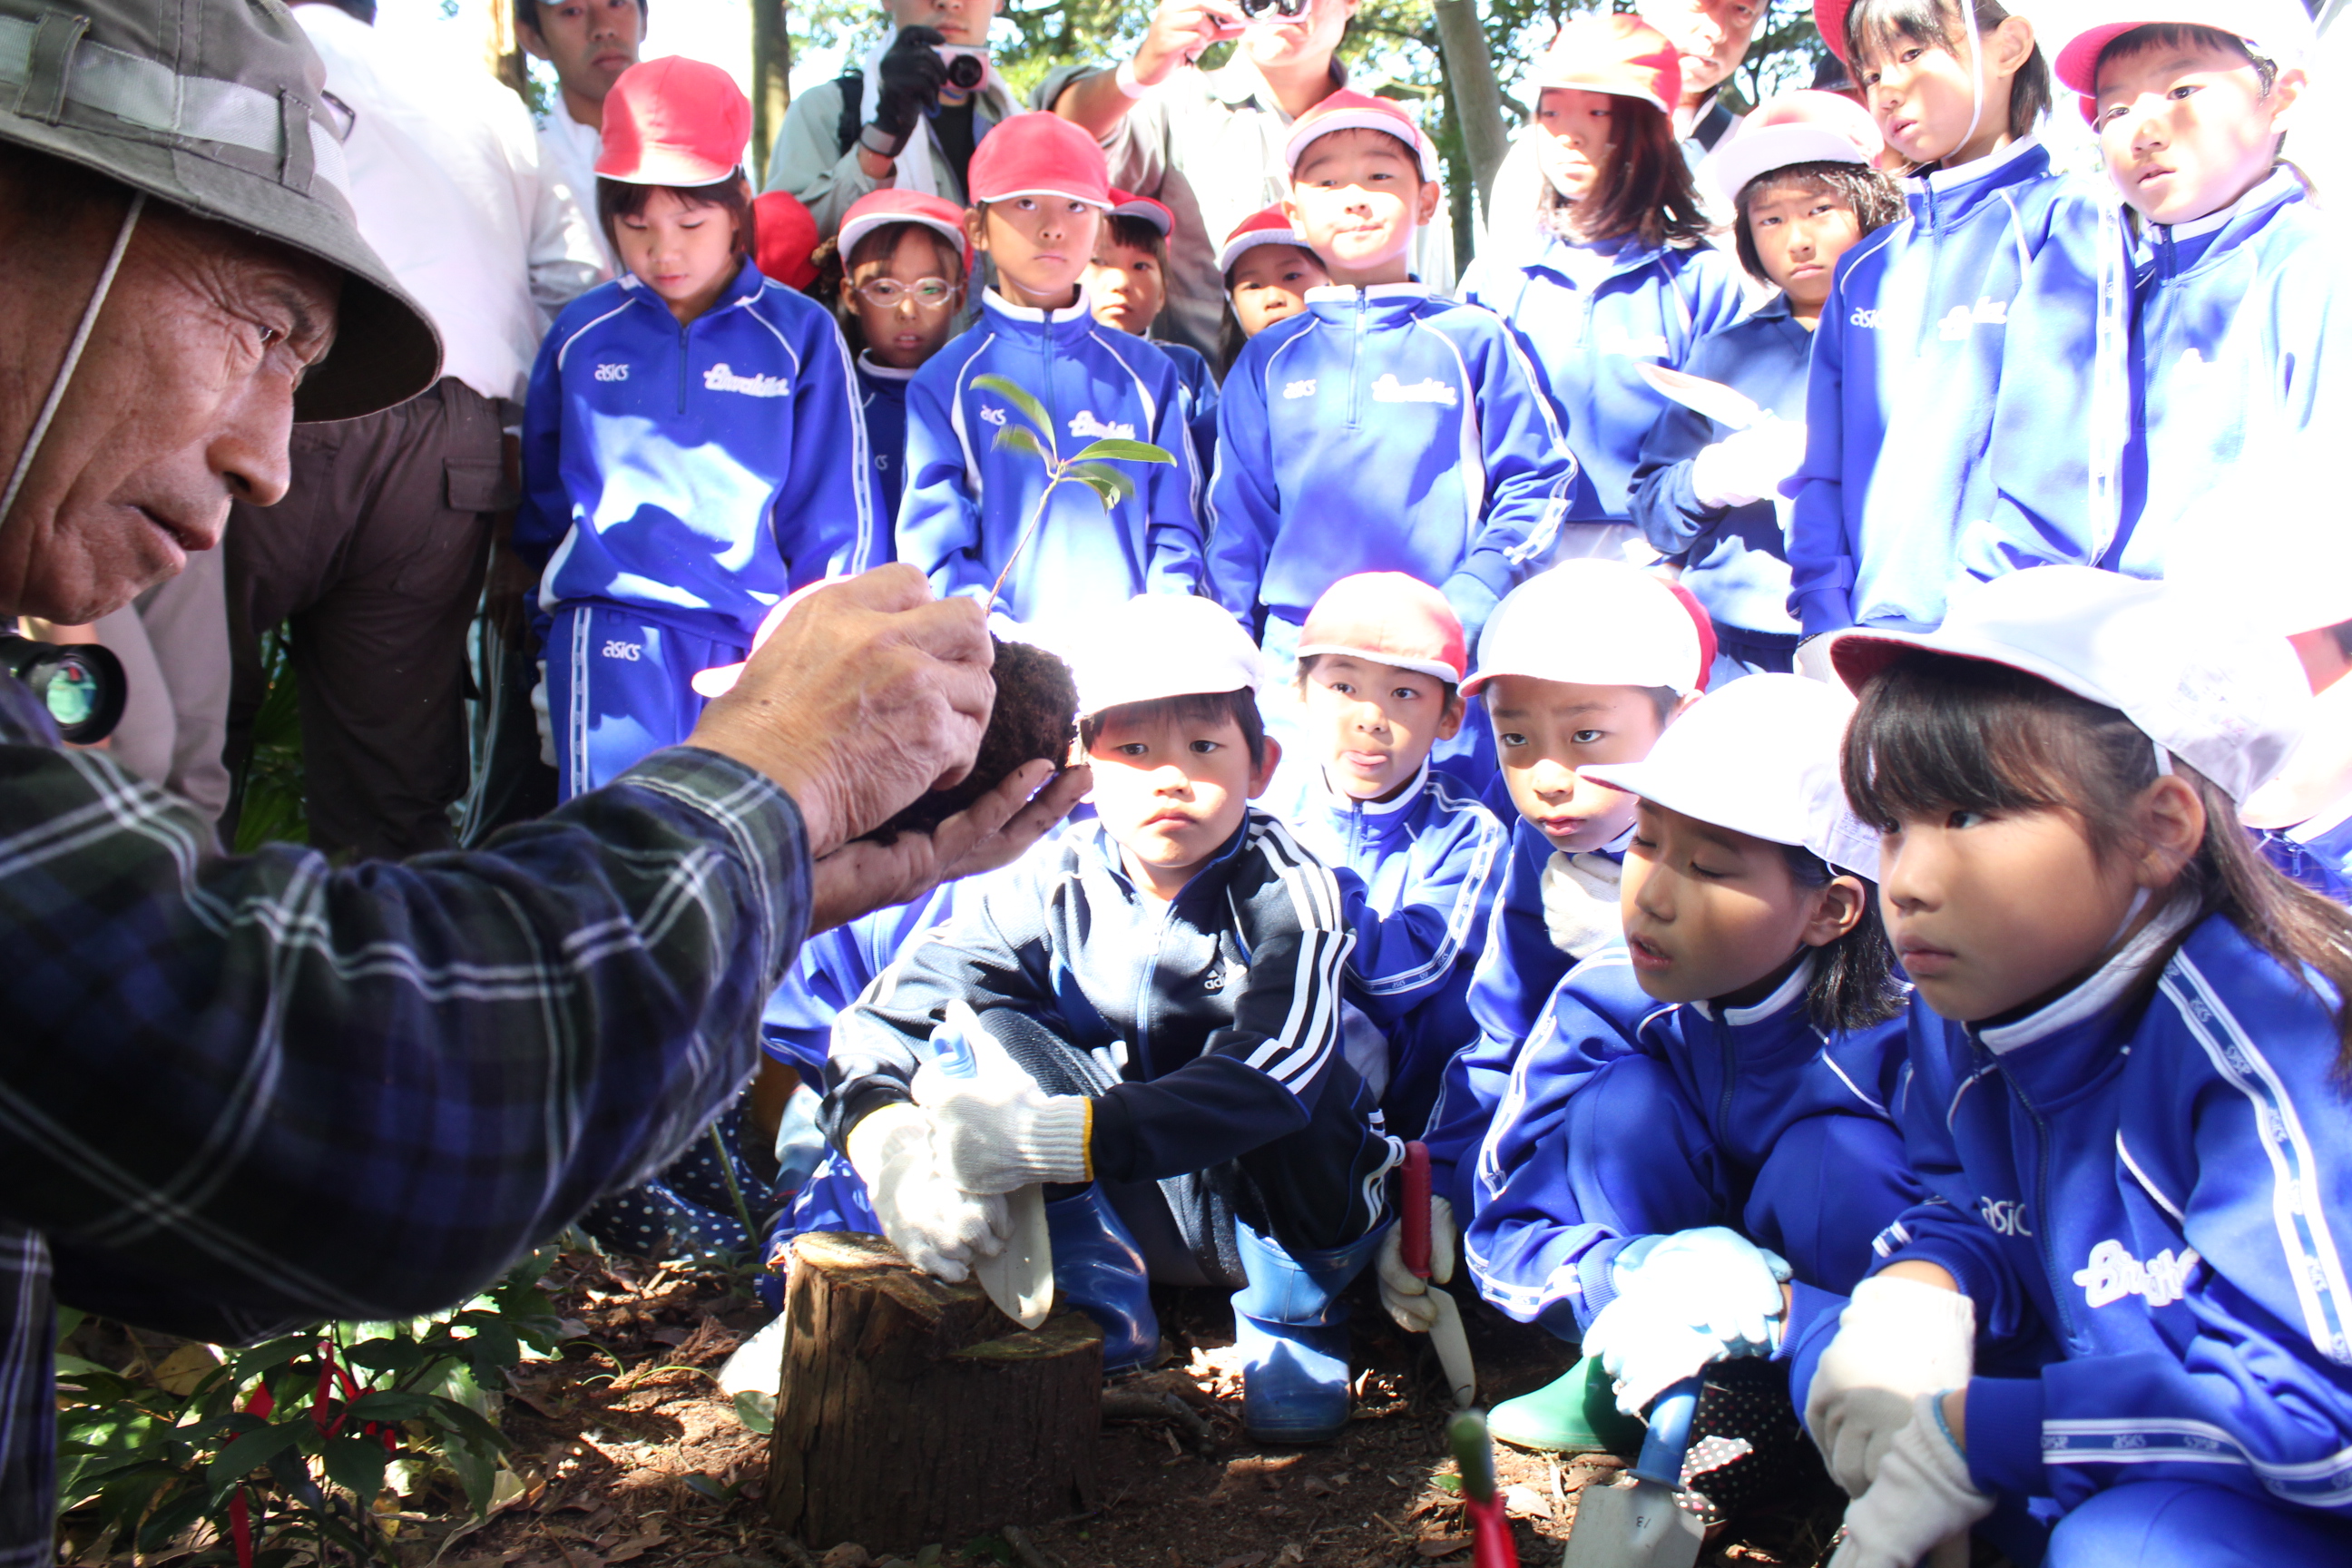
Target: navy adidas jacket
(969, 500)
(1418, 876)
(696, 474)
(1383, 429)
(1735, 559)
(1950, 419)
(882, 394)
(1652, 307)
(2142, 1198)
(1747, 1076)
(1217, 1013)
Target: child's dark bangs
(1877, 28)
(1934, 733)
(2161, 38)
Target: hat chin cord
(73, 355)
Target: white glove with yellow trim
(998, 1135)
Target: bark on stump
(912, 1411)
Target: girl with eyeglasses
(902, 292)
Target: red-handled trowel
(1491, 1545)
(1445, 1335)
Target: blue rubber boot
(1292, 1332)
(1099, 1269)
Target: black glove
(913, 74)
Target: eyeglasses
(928, 293)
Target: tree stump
(912, 1411)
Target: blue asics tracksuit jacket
(1652, 307)
(2140, 1193)
(1418, 875)
(1199, 385)
(2231, 337)
(1627, 1117)
(693, 474)
(967, 501)
(1949, 422)
(1383, 429)
(882, 394)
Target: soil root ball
(1035, 716)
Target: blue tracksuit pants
(2175, 1524)
(618, 690)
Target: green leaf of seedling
(1123, 452)
(253, 1449)
(1446, 1483)
(1021, 439)
(355, 1462)
(1120, 486)
(1030, 407)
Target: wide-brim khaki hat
(219, 107)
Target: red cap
(1271, 226)
(1126, 203)
(674, 122)
(879, 209)
(1039, 154)
(1389, 618)
(1346, 110)
(1829, 21)
(787, 238)
(1614, 53)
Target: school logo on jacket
(1389, 389)
(1960, 320)
(723, 378)
(2113, 1273)
(1085, 426)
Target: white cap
(1161, 645)
(1759, 757)
(1596, 621)
(2278, 30)
(2228, 701)
(1799, 127)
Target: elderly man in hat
(240, 1094)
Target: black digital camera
(81, 684)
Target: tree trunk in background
(1477, 94)
(772, 71)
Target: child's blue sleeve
(938, 515)
(824, 521)
(1407, 953)
(1665, 506)
(1529, 472)
(1820, 556)
(1173, 542)
(545, 515)
(1244, 509)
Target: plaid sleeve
(269, 1086)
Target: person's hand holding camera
(1179, 31)
(913, 74)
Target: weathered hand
(992, 831)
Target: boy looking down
(1168, 984)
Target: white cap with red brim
(1801, 127)
(1160, 645)
(1271, 226)
(1388, 617)
(1349, 111)
(2229, 700)
(1596, 622)
(879, 209)
(2278, 30)
(1759, 757)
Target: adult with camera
(906, 119)
(1208, 143)
(240, 1094)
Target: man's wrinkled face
(182, 401)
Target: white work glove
(544, 718)
(999, 1135)
(941, 1229)
(1580, 902)
(1749, 467)
(1692, 1298)
(1896, 1340)
(1922, 1498)
(1404, 1293)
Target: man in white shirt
(590, 43)
(376, 553)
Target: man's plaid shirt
(238, 1093)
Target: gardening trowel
(1491, 1545)
(1019, 1280)
(1445, 1335)
(1644, 1525)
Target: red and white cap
(1160, 645)
(674, 122)
(1759, 757)
(1126, 203)
(1616, 53)
(879, 209)
(787, 241)
(1801, 127)
(2278, 30)
(1596, 622)
(1039, 154)
(1388, 617)
(2228, 699)
(1271, 226)
(1829, 21)
(1347, 110)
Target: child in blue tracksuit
(2232, 283)
(1127, 285)
(1967, 385)
(1625, 278)
(1039, 192)
(2124, 1304)
(1384, 429)
(1749, 1029)
(1380, 663)
(1585, 663)
(1706, 492)
(691, 447)
(903, 264)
